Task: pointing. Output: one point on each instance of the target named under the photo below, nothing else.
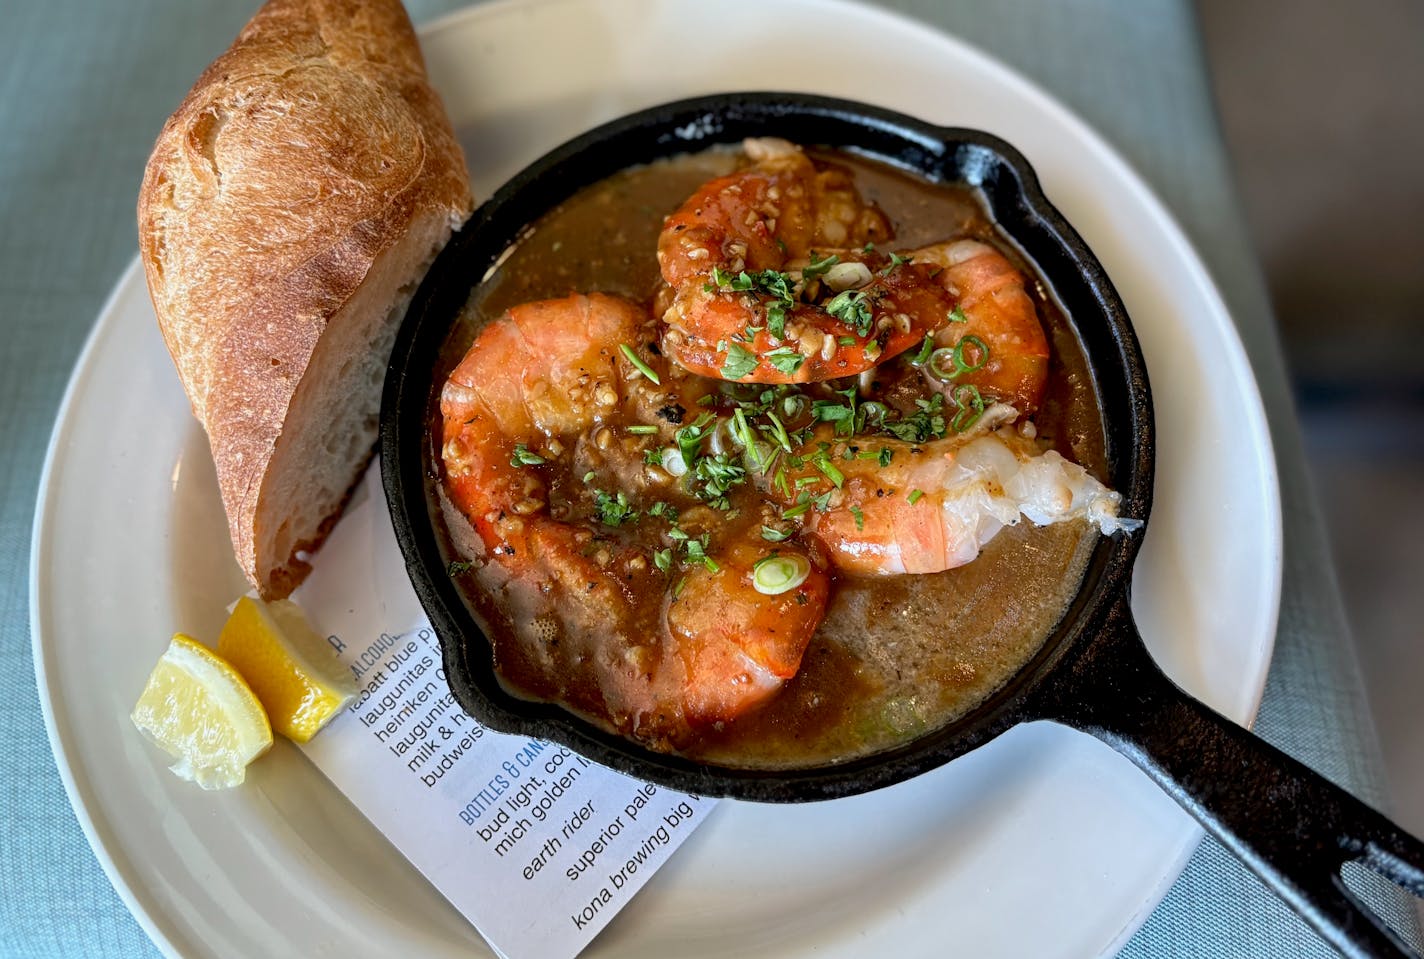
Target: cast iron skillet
(1288, 824)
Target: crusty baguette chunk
(290, 208)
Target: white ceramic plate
(1043, 843)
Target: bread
(287, 214)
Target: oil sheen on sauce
(896, 657)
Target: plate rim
(1185, 254)
(45, 502)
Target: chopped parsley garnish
(740, 362)
(689, 438)
(613, 510)
(717, 475)
(662, 559)
(818, 267)
(844, 416)
(785, 359)
(895, 260)
(956, 315)
(522, 457)
(776, 319)
(771, 282)
(926, 423)
(458, 566)
(852, 308)
(653, 457)
(776, 535)
(696, 550)
(641, 367)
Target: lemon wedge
(289, 666)
(198, 709)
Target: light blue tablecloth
(84, 88)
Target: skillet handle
(1289, 825)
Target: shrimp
(935, 505)
(747, 289)
(995, 342)
(531, 414)
(759, 642)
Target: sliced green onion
(915, 496)
(971, 406)
(956, 315)
(941, 366)
(777, 431)
(778, 574)
(859, 517)
(759, 456)
(823, 463)
(638, 364)
(673, 462)
(960, 363)
(641, 430)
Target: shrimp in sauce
(928, 507)
(530, 416)
(994, 327)
(662, 500)
(752, 301)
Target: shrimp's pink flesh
(739, 646)
(997, 309)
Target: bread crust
(301, 158)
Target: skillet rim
(1012, 191)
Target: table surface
(84, 88)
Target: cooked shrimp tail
(937, 504)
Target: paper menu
(538, 847)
